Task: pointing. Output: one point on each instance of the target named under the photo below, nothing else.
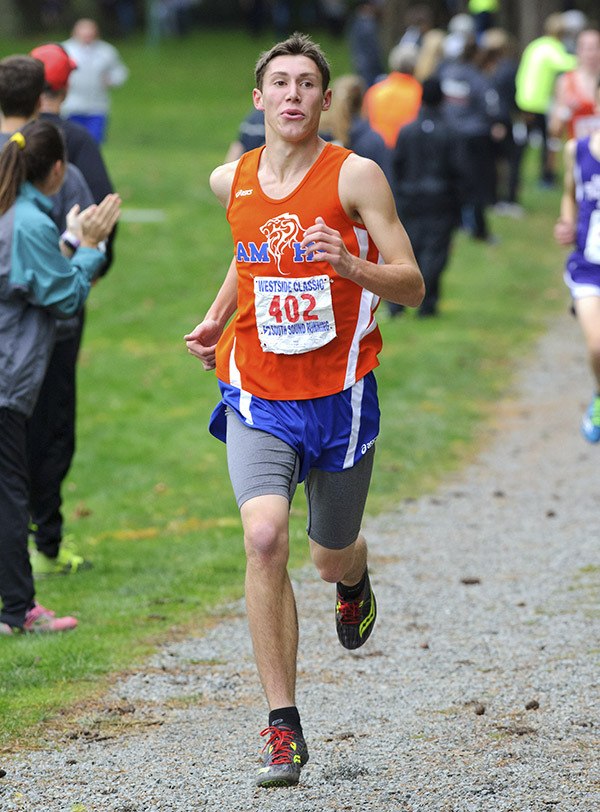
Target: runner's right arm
(202, 341)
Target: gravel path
(478, 690)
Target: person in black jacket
(51, 427)
(429, 185)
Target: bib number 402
(294, 308)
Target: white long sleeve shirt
(99, 67)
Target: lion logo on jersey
(280, 232)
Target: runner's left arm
(367, 198)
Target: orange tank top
(581, 105)
(300, 331)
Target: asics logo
(243, 192)
(366, 446)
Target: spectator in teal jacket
(42, 276)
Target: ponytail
(28, 155)
(12, 171)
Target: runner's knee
(266, 532)
(332, 565)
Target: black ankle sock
(285, 716)
(352, 592)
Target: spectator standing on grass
(429, 184)
(37, 283)
(579, 224)
(52, 426)
(82, 149)
(395, 100)
(99, 69)
(250, 135)
(310, 221)
(541, 62)
(471, 108)
(509, 134)
(22, 82)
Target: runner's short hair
(296, 45)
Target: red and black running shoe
(285, 753)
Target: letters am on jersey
(282, 233)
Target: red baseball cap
(57, 64)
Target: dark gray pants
(51, 442)
(16, 579)
(431, 237)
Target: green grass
(148, 498)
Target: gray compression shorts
(261, 464)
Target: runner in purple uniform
(579, 223)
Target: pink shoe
(5, 629)
(41, 620)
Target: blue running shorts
(326, 442)
(331, 433)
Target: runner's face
(292, 96)
(588, 50)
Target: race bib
(293, 315)
(592, 244)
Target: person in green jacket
(541, 62)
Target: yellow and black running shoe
(355, 618)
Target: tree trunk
(531, 16)
(392, 23)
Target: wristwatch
(70, 240)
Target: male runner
(317, 244)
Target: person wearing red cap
(82, 149)
(57, 65)
(51, 428)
